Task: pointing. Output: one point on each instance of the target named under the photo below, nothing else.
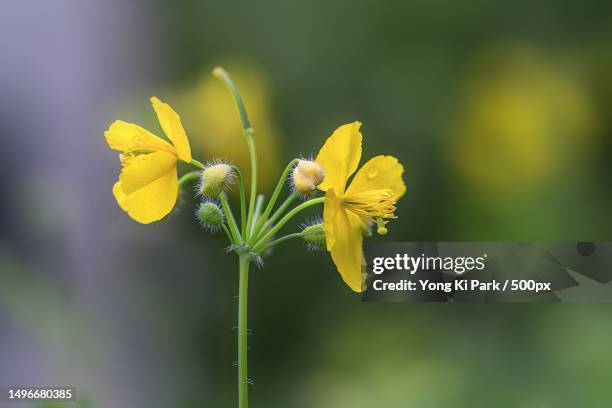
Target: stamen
(371, 204)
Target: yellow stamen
(371, 204)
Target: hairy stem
(243, 288)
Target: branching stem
(262, 241)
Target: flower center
(371, 204)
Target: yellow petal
(331, 207)
(128, 137)
(173, 128)
(144, 169)
(344, 235)
(119, 195)
(340, 156)
(148, 187)
(379, 173)
(152, 202)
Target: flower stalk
(237, 238)
(243, 290)
(243, 218)
(285, 238)
(262, 241)
(273, 198)
(248, 134)
(189, 177)
(281, 209)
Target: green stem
(243, 288)
(220, 73)
(276, 214)
(189, 177)
(242, 200)
(261, 242)
(258, 205)
(251, 143)
(230, 219)
(228, 233)
(197, 163)
(274, 197)
(284, 238)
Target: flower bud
(215, 179)
(306, 176)
(314, 236)
(210, 216)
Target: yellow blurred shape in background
(214, 125)
(525, 120)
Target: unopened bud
(307, 175)
(215, 179)
(314, 236)
(210, 216)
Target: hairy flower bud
(314, 236)
(210, 216)
(215, 179)
(306, 176)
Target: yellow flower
(370, 197)
(147, 188)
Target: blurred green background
(500, 112)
